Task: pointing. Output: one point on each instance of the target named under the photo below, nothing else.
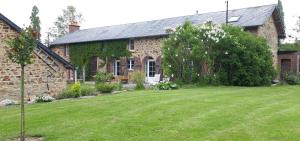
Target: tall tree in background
(21, 52)
(62, 23)
(35, 21)
(280, 8)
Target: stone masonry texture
(39, 77)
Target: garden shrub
(217, 54)
(243, 59)
(138, 78)
(44, 98)
(292, 78)
(75, 89)
(119, 86)
(166, 86)
(88, 90)
(105, 87)
(67, 93)
(103, 77)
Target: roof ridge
(177, 17)
(39, 44)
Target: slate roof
(249, 17)
(39, 44)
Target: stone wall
(269, 31)
(293, 57)
(39, 77)
(60, 50)
(147, 47)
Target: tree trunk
(22, 138)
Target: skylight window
(234, 19)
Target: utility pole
(226, 11)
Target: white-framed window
(130, 64)
(117, 68)
(66, 50)
(131, 45)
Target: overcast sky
(111, 12)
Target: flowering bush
(227, 54)
(44, 98)
(166, 86)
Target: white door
(150, 71)
(117, 69)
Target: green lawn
(208, 113)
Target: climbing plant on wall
(82, 53)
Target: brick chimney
(73, 27)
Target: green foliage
(166, 86)
(21, 52)
(138, 78)
(183, 53)
(47, 98)
(292, 78)
(35, 20)
(67, 94)
(214, 54)
(243, 59)
(81, 53)
(119, 86)
(102, 77)
(105, 87)
(75, 89)
(21, 47)
(290, 46)
(88, 90)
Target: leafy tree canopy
(63, 21)
(21, 47)
(217, 54)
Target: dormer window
(234, 19)
(131, 45)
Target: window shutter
(158, 65)
(110, 65)
(137, 64)
(123, 65)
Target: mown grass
(207, 113)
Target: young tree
(21, 52)
(62, 22)
(35, 21)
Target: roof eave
(39, 44)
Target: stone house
(145, 38)
(47, 75)
(288, 61)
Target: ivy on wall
(82, 53)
